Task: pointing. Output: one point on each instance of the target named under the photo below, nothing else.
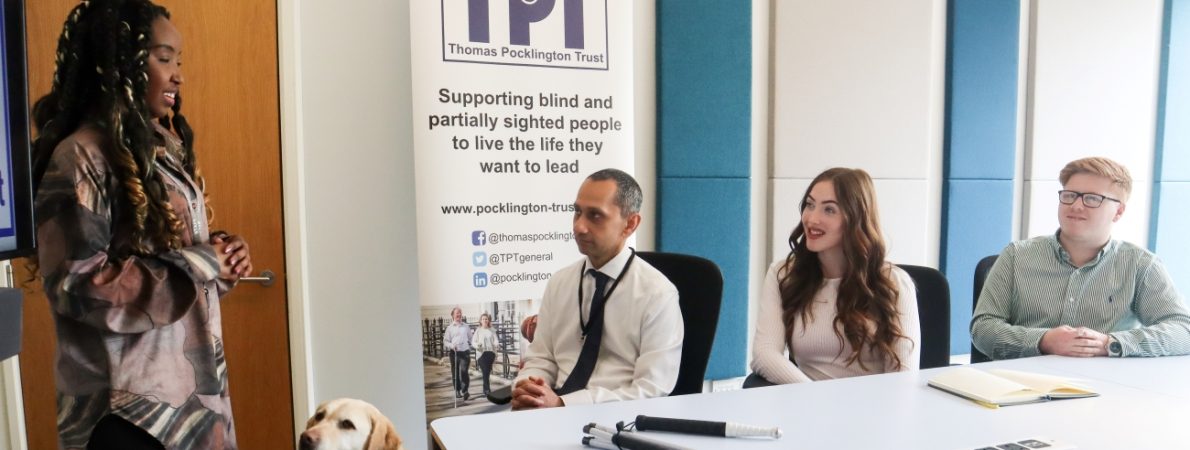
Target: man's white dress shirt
(641, 349)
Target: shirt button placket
(1072, 290)
(1068, 306)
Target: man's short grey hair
(628, 195)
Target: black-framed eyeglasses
(1089, 200)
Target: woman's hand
(234, 258)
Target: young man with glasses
(1078, 292)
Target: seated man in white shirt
(638, 349)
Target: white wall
(761, 219)
(351, 236)
(355, 187)
(1093, 73)
(12, 418)
(645, 116)
(859, 83)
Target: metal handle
(266, 278)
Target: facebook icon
(479, 237)
(480, 279)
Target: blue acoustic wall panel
(1172, 241)
(971, 236)
(704, 88)
(708, 217)
(1173, 136)
(1170, 216)
(704, 85)
(980, 145)
(982, 62)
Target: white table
(891, 411)
(1162, 375)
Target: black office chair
(754, 380)
(933, 312)
(981, 274)
(700, 294)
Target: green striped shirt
(1124, 291)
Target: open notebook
(1001, 387)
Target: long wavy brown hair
(866, 315)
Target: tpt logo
(479, 237)
(541, 33)
(521, 14)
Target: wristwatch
(1114, 349)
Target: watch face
(1115, 347)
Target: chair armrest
(501, 396)
(754, 380)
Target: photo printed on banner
(468, 350)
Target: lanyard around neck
(607, 295)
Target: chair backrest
(700, 292)
(981, 274)
(933, 312)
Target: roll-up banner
(515, 102)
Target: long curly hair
(867, 316)
(101, 80)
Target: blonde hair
(1100, 166)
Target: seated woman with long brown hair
(835, 303)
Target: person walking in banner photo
(132, 273)
(609, 327)
(484, 341)
(1078, 292)
(834, 302)
(457, 340)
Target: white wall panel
(902, 203)
(1041, 216)
(1094, 73)
(856, 83)
(1094, 84)
(370, 304)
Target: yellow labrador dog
(349, 424)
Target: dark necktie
(593, 335)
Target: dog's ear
(319, 413)
(383, 435)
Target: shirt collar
(169, 143)
(612, 268)
(1064, 255)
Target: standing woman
(131, 271)
(834, 302)
(485, 343)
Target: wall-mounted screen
(16, 196)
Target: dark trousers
(485, 365)
(460, 363)
(114, 433)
